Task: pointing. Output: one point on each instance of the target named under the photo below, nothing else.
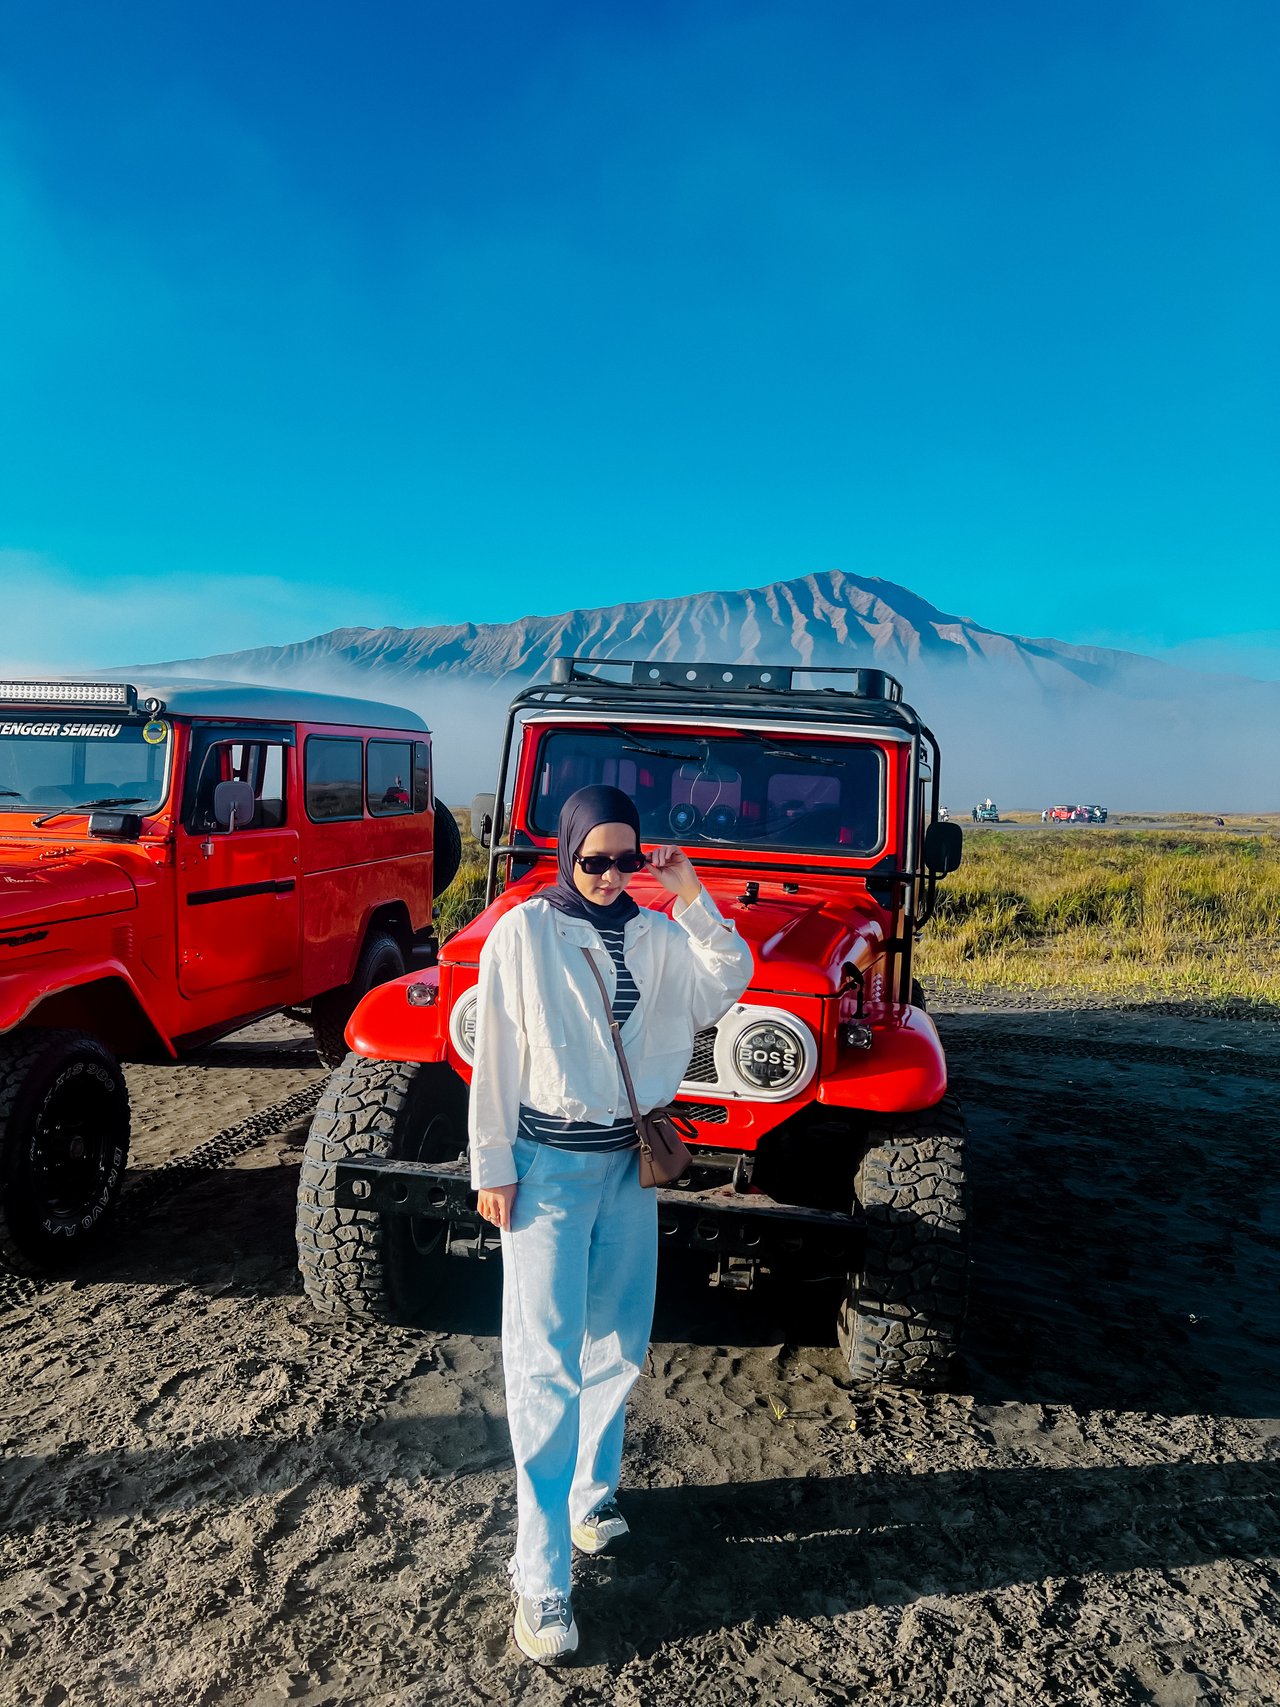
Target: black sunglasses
(595, 865)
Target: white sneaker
(601, 1529)
(544, 1630)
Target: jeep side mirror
(482, 809)
(233, 805)
(943, 848)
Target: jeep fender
(99, 998)
(390, 1026)
(904, 1069)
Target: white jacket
(542, 1037)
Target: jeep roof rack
(674, 686)
(719, 678)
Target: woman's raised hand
(674, 871)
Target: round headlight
(768, 1056)
(462, 1025)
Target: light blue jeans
(579, 1268)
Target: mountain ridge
(1020, 717)
(811, 619)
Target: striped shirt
(563, 1134)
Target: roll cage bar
(868, 698)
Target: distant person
(1221, 823)
(1044, 816)
(554, 1159)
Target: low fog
(1213, 750)
(1001, 733)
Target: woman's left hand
(673, 870)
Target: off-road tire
(381, 960)
(447, 855)
(903, 1311)
(918, 996)
(60, 1091)
(361, 1262)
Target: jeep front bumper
(719, 1222)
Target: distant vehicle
(987, 813)
(1075, 815)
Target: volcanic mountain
(1020, 718)
(828, 618)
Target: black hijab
(581, 813)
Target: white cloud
(56, 620)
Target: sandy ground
(209, 1496)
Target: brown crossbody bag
(664, 1155)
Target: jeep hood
(53, 885)
(800, 942)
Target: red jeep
(826, 1140)
(175, 861)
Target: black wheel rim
(74, 1147)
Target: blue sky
(326, 314)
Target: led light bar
(110, 695)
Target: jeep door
(239, 933)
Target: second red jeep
(176, 860)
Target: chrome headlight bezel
(462, 1024)
(774, 1046)
(739, 1023)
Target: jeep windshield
(736, 789)
(54, 765)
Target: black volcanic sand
(210, 1496)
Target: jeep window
(421, 776)
(334, 778)
(727, 790)
(259, 763)
(389, 778)
(49, 764)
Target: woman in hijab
(554, 1158)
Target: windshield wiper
(635, 745)
(708, 747)
(783, 752)
(90, 806)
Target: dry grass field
(1172, 914)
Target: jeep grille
(702, 1063)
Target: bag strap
(614, 1029)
